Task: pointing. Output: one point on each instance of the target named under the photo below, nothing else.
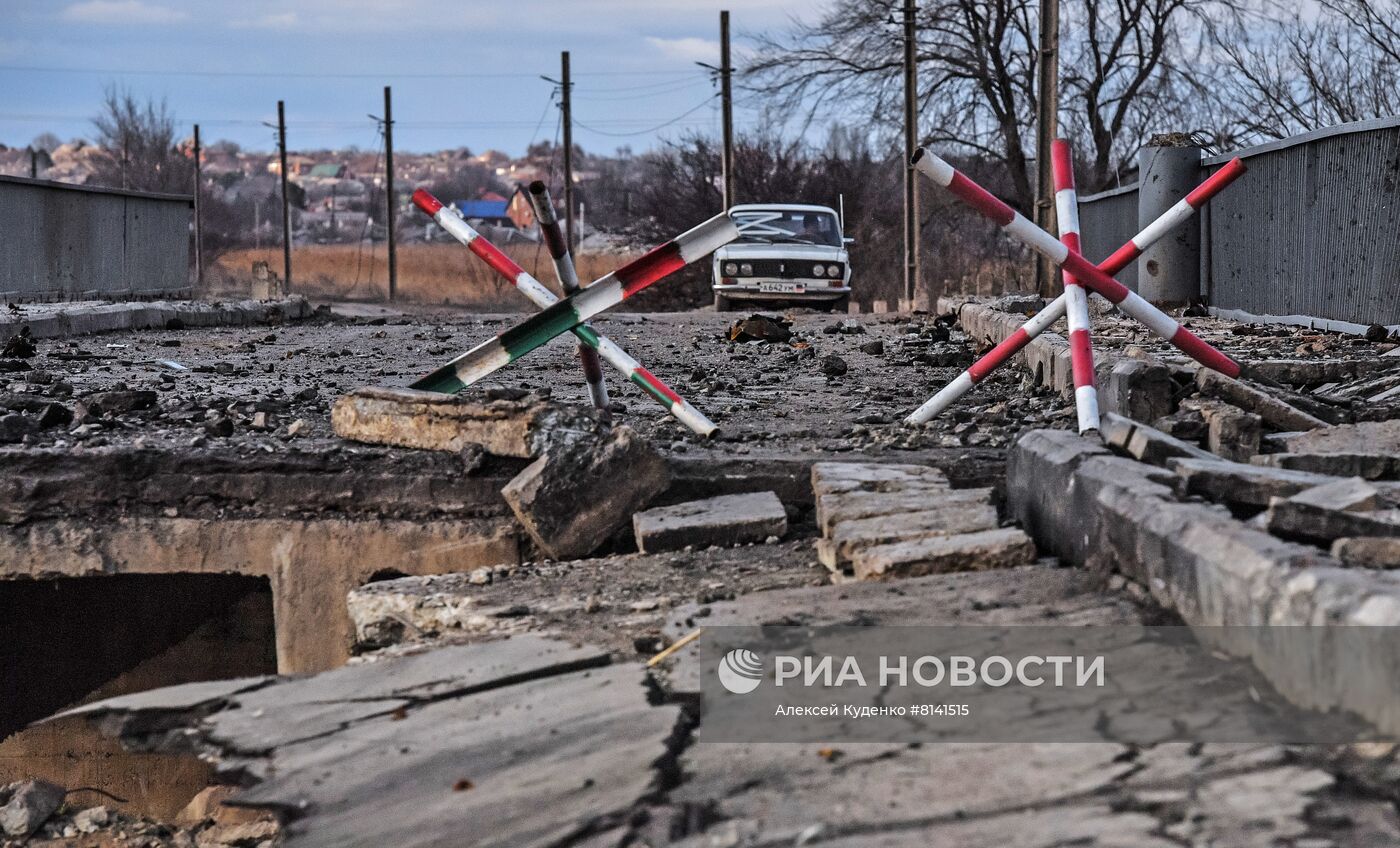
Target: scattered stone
(1185, 424)
(845, 327)
(91, 819)
(1144, 443)
(295, 428)
(580, 490)
(209, 805)
(1368, 551)
(1377, 333)
(761, 328)
(15, 426)
(414, 419)
(55, 415)
(875, 348)
(1277, 413)
(1005, 547)
(221, 426)
(834, 366)
(725, 520)
(119, 401)
(20, 345)
(27, 804)
(10, 366)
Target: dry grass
(428, 273)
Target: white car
(787, 252)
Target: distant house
(519, 208)
(327, 170)
(494, 212)
(296, 165)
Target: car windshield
(786, 226)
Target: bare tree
(139, 143)
(977, 75)
(1283, 72)
(47, 142)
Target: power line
(325, 75)
(687, 113)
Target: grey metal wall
(1106, 221)
(66, 242)
(1312, 229)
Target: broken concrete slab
(1145, 443)
(581, 490)
(212, 482)
(1368, 551)
(1368, 437)
(462, 742)
(836, 477)
(1277, 413)
(849, 506)
(725, 520)
(1369, 466)
(1242, 484)
(1349, 494)
(983, 550)
(1231, 432)
(1302, 518)
(935, 519)
(1134, 389)
(429, 420)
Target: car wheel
(841, 304)
(722, 303)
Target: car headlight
(731, 268)
(834, 270)
(818, 270)
(746, 269)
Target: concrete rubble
(519, 427)
(723, 520)
(582, 489)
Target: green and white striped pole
(494, 354)
(444, 381)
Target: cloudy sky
(463, 73)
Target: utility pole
(286, 208)
(198, 213)
(911, 142)
(726, 95)
(1047, 109)
(389, 193)
(566, 106)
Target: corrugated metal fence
(1311, 231)
(68, 242)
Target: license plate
(782, 288)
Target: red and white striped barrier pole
(1081, 349)
(545, 299)
(1018, 227)
(568, 280)
(1046, 317)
